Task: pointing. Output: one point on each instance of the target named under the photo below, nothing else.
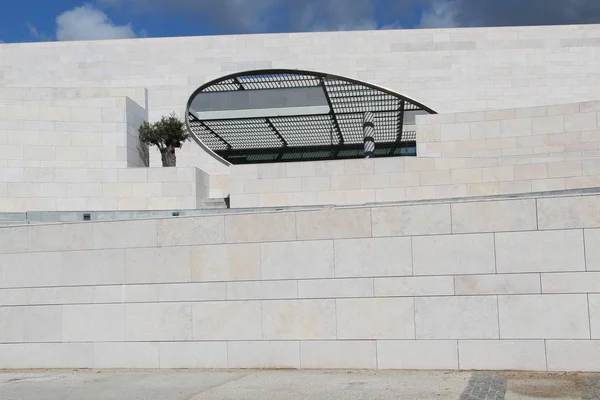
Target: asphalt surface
(313, 385)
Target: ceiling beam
(400, 117)
(237, 81)
(336, 124)
(212, 132)
(276, 132)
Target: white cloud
(441, 14)
(333, 15)
(243, 16)
(89, 23)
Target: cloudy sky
(42, 20)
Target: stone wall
(568, 130)
(449, 70)
(355, 182)
(71, 133)
(102, 189)
(511, 151)
(23, 95)
(138, 154)
(505, 284)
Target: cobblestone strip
(485, 386)
(591, 388)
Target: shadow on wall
(144, 153)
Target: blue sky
(35, 20)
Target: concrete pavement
(292, 385)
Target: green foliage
(168, 132)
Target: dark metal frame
(333, 135)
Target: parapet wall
(497, 284)
(71, 133)
(568, 130)
(511, 151)
(102, 189)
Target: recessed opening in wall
(290, 115)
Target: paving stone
(485, 386)
(591, 388)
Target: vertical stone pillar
(369, 134)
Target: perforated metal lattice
(308, 135)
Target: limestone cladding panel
(359, 197)
(126, 234)
(231, 320)
(158, 322)
(93, 323)
(456, 317)
(344, 182)
(455, 254)
(61, 237)
(262, 290)
(194, 355)
(411, 220)
(335, 288)
(338, 354)
(140, 293)
(494, 216)
(126, 355)
(417, 354)
(594, 304)
(300, 170)
(31, 270)
(271, 171)
(571, 282)
(466, 285)
(371, 257)
(47, 355)
(47, 296)
(230, 262)
(260, 227)
(263, 354)
(394, 319)
(330, 168)
(540, 251)
(192, 291)
(14, 239)
(569, 212)
(31, 324)
(520, 355)
(544, 317)
(573, 355)
(191, 231)
(297, 260)
(333, 224)
(109, 294)
(298, 319)
(592, 249)
(414, 286)
(158, 265)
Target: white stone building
(423, 262)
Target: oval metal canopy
(291, 115)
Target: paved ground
(292, 385)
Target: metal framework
(336, 134)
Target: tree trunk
(168, 157)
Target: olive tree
(167, 134)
